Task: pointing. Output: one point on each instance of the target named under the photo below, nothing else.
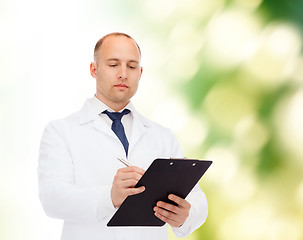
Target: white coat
(77, 164)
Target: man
(80, 179)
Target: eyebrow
(112, 59)
(117, 59)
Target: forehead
(119, 47)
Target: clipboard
(163, 177)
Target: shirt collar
(100, 107)
(93, 107)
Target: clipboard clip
(171, 163)
(185, 158)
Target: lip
(121, 85)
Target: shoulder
(156, 127)
(85, 114)
(62, 126)
(164, 136)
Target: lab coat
(77, 164)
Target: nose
(122, 74)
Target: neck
(114, 106)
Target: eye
(132, 67)
(113, 65)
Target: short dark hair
(99, 43)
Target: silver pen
(126, 163)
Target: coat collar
(87, 113)
(140, 124)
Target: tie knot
(116, 115)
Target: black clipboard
(163, 177)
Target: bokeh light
(225, 76)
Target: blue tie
(117, 126)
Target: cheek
(135, 87)
(135, 76)
(103, 78)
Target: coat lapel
(87, 114)
(139, 127)
(103, 127)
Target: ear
(93, 69)
(141, 71)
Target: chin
(121, 100)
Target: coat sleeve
(197, 214)
(60, 196)
(199, 208)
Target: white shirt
(127, 120)
(77, 164)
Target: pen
(126, 163)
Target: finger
(133, 191)
(169, 207)
(161, 215)
(180, 201)
(165, 213)
(129, 183)
(121, 176)
(132, 169)
(130, 175)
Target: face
(117, 71)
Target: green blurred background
(225, 75)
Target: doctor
(80, 179)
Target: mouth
(121, 85)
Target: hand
(171, 214)
(124, 182)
